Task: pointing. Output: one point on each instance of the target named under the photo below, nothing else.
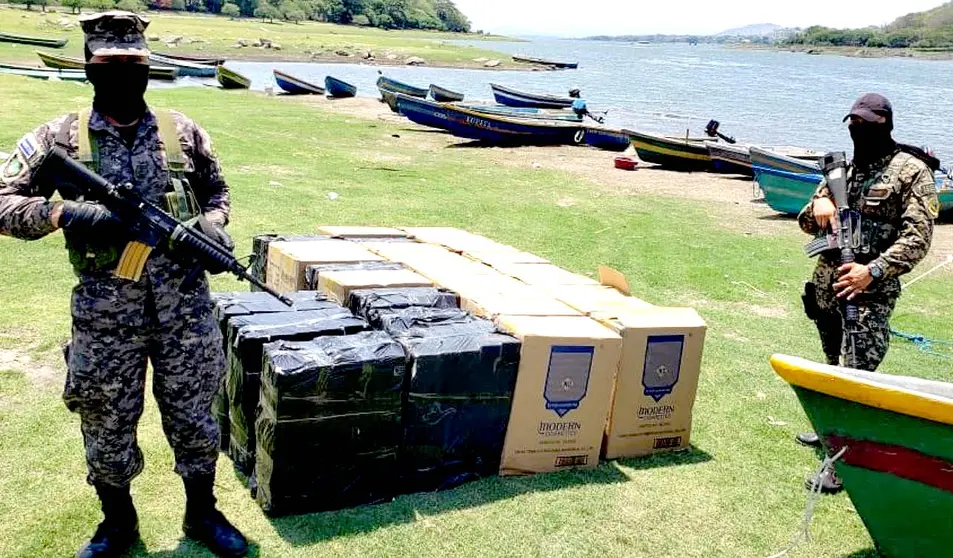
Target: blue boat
(184, 67)
(444, 95)
(295, 86)
(388, 84)
(784, 191)
(607, 138)
(513, 98)
(338, 88)
(489, 128)
(730, 158)
(524, 112)
(772, 159)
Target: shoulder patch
(13, 168)
(30, 148)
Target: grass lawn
(738, 493)
(298, 41)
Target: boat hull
(544, 62)
(442, 95)
(730, 159)
(184, 68)
(401, 87)
(390, 99)
(765, 158)
(34, 41)
(67, 63)
(338, 88)
(294, 86)
(201, 60)
(514, 98)
(898, 465)
(43, 73)
(671, 153)
(607, 139)
(524, 112)
(786, 192)
(230, 79)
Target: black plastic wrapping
(228, 305)
(329, 423)
(313, 272)
(247, 336)
(369, 302)
(428, 322)
(259, 247)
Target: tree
(291, 11)
(267, 11)
(102, 5)
(130, 6)
(452, 18)
(75, 6)
(231, 10)
(178, 5)
(247, 6)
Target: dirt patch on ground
(39, 373)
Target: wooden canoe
(339, 88)
(296, 86)
(35, 41)
(70, 63)
(230, 79)
(513, 98)
(443, 95)
(672, 153)
(389, 84)
(559, 65)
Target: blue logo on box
(567, 378)
(663, 361)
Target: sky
(579, 18)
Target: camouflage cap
(115, 33)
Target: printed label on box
(567, 378)
(663, 359)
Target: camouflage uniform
(897, 200)
(119, 324)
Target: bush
(177, 5)
(267, 11)
(231, 10)
(130, 6)
(75, 6)
(102, 5)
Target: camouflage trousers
(871, 339)
(117, 328)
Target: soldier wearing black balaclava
(120, 324)
(892, 187)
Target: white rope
(938, 267)
(804, 533)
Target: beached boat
(390, 99)
(35, 41)
(183, 68)
(296, 86)
(513, 98)
(195, 59)
(607, 138)
(524, 112)
(230, 79)
(684, 154)
(339, 88)
(70, 63)
(730, 158)
(897, 467)
(786, 192)
(489, 128)
(442, 95)
(384, 82)
(559, 65)
(777, 159)
(944, 186)
(42, 73)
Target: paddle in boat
(70, 63)
(384, 82)
(230, 79)
(896, 433)
(338, 88)
(544, 62)
(183, 68)
(682, 154)
(35, 41)
(442, 95)
(295, 86)
(513, 98)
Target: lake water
(759, 96)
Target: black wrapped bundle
(368, 302)
(329, 422)
(313, 272)
(428, 322)
(247, 336)
(258, 267)
(228, 305)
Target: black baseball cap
(872, 107)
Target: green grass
(298, 41)
(738, 493)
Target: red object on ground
(625, 163)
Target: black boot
(119, 529)
(205, 524)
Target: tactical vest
(179, 200)
(878, 231)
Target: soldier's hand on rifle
(85, 217)
(854, 279)
(825, 213)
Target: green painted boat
(944, 186)
(682, 154)
(230, 79)
(70, 63)
(35, 41)
(42, 73)
(898, 465)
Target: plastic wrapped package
(329, 422)
(416, 320)
(362, 302)
(313, 272)
(247, 336)
(259, 247)
(470, 363)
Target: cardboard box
(337, 285)
(656, 381)
(544, 275)
(456, 239)
(400, 251)
(562, 396)
(361, 232)
(505, 257)
(287, 261)
(524, 302)
(593, 299)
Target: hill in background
(929, 30)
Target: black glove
(88, 217)
(215, 232)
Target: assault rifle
(148, 225)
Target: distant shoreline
(853, 52)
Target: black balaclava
(872, 142)
(120, 89)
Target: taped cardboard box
(544, 275)
(505, 257)
(656, 381)
(399, 251)
(361, 232)
(523, 302)
(313, 272)
(337, 285)
(288, 261)
(591, 299)
(456, 239)
(258, 268)
(562, 395)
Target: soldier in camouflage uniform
(164, 317)
(894, 190)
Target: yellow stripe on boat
(671, 152)
(833, 381)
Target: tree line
(439, 15)
(874, 37)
